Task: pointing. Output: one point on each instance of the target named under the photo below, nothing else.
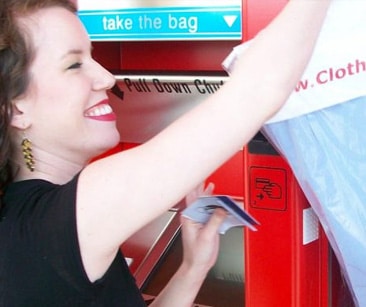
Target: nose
(103, 79)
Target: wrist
(195, 273)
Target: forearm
(278, 56)
(182, 288)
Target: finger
(215, 221)
(209, 189)
(194, 194)
(189, 225)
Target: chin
(110, 146)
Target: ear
(20, 118)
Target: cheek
(58, 103)
(64, 91)
(58, 119)
(62, 105)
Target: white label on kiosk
(123, 20)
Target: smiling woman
(62, 218)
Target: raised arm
(120, 194)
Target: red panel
(340, 293)
(112, 151)
(181, 55)
(107, 54)
(190, 55)
(280, 269)
(126, 146)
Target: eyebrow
(75, 52)
(72, 52)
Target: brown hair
(15, 57)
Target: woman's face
(66, 101)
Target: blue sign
(164, 23)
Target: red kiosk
(287, 262)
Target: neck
(48, 166)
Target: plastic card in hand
(201, 210)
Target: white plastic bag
(320, 131)
(326, 150)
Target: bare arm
(120, 194)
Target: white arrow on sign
(230, 19)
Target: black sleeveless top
(40, 262)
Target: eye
(75, 66)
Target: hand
(201, 241)
(200, 250)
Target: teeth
(100, 110)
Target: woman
(62, 218)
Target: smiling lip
(101, 111)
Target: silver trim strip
(173, 78)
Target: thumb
(209, 189)
(216, 220)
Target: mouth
(101, 111)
